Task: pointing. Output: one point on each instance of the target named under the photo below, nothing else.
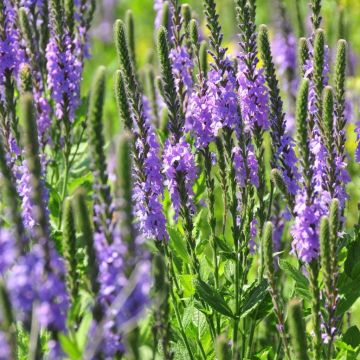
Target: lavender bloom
(158, 7)
(104, 30)
(113, 265)
(223, 99)
(179, 162)
(253, 233)
(199, 118)
(305, 228)
(284, 51)
(146, 195)
(241, 168)
(23, 181)
(8, 251)
(5, 347)
(253, 96)
(308, 71)
(64, 75)
(182, 66)
(11, 53)
(290, 173)
(357, 151)
(31, 282)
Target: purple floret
(179, 161)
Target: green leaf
(212, 298)
(352, 263)
(301, 282)
(188, 285)
(177, 243)
(83, 181)
(83, 331)
(70, 347)
(253, 297)
(349, 292)
(352, 336)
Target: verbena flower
(199, 117)
(284, 53)
(5, 347)
(253, 96)
(36, 281)
(179, 167)
(11, 53)
(115, 283)
(224, 99)
(242, 167)
(147, 193)
(182, 68)
(287, 156)
(64, 75)
(23, 180)
(8, 250)
(305, 228)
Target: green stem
(182, 331)
(314, 273)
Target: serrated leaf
(187, 284)
(177, 244)
(349, 292)
(83, 331)
(352, 263)
(352, 336)
(253, 297)
(212, 298)
(69, 347)
(301, 282)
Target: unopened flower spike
(85, 227)
(124, 184)
(146, 150)
(203, 55)
(102, 196)
(176, 118)
(325, 254)
(318, 75)
(69, 10)
(70, 246)
(297, 330)
(31, 146)
(153, 95)
(303, 55)
(130, 33)
(316, 13)
(122, 101)
(283, 153)
(301, 123)
(340, 80)
(26, 79)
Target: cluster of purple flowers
(64, 75)
(147, 195)
(179, 167)
(253, 96)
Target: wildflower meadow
(179, 180)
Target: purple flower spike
(179, 161)
(182, 66)
(253, 98)
(64, 75)
(240, 166)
